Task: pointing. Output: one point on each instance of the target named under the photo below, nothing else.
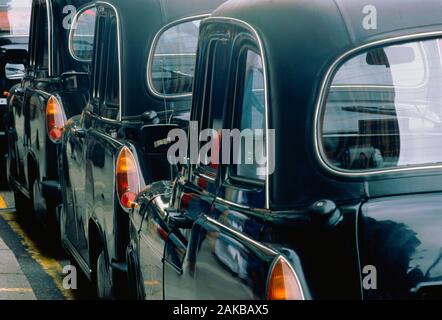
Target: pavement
(14, 285)
(28, 269)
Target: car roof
(322, 19)
(140, 21)
(302, 39)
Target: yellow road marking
(3, 204)
(51, 266)
(20, 290)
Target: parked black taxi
(142, 79)
(15, 18)
(55, 86)
(347, 204)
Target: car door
(198, 191)
(27, 99)
(76, 133)
(36, 95)
(103, 144)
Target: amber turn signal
(128, 180)
(283, 282)
(54, 119)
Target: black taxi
(141, 87)
(54, 87)
(15, 18)
(343, 200)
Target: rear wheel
(134, 292)
(3, 174)
(22, 204)
(103, 279)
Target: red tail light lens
(128, 180)
(54, 119)
(283, 282)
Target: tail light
(283, 282)
(128, 180)
(54, 119)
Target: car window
(113, 80)
(362, 71)
(81, 41)
(41, 36)
(250, 153)
(172, 68)
(109, 75)
(15, 17)
(384, 109)
(213, 104)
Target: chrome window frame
(322, 101)
(120, 77)
(155, 41)
(71, 32)
(50, 18)
(262, 53)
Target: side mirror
(75, 82)
(16, 62)
(15, 71)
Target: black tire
(3, 174)
(53, 233)
(22, 204)
(103, 282)
(133, 281)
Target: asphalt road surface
(29, 268)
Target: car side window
(173, 62)
(106, 82)
(40, 36)
(113, 83)
(248, 155)
(81, 38)
(214, 102)
(98, 61)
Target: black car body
(14, 37)
(352, 207)
(54, 87)
(140, 90)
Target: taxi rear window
(384, 109)
(172, 66)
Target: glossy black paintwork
(400, 236)
(32, 159)
(92, 218)
(7, 43)
(390, 221)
